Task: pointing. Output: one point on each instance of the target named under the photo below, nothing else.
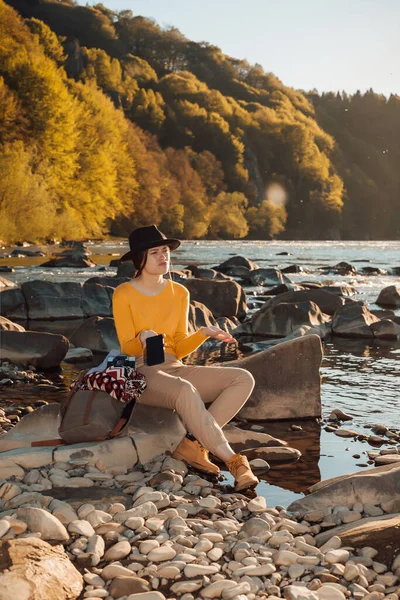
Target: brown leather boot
(193, 453)
(239, 467)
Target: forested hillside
(108, 122)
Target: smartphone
(155, 350)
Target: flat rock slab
(381, 534)
(361, 528)
(368, 487)
(78, 496)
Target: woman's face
(157, 262)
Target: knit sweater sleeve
(128, 337)
(186, 343)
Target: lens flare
(276, 194)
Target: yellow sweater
(167, 313)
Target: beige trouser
(187, 388)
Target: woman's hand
(218, 334)
(147, 333)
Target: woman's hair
(139, 260)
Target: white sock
(224, 452)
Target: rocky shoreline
(159, 531)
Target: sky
(327, 45)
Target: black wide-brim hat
(144, 238)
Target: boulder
(154, 431)
(267, 277)
(200, 316)
(223, 298)
(373, 271)
(386, 329)
(228, 325)
(126, 269)
(273, 454)
(75, 258)
(353, 320)
(31, 569)
(287, 381)
(282, 319)
(97, 333)
(203, 273)
(292, 269)
(389, 296)
(381, 534)
(236, 261)
(108, 281)
(342, 268)
(327, 302)
(43, 522)
(75, 355)
(7, 325)
(50, 301)
(13, 304)
(42, 350)
(240, 439)
(97, 299)
(372, 486)
(41, 424)
(238, 272)
(7, 284)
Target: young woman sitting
(204, 397)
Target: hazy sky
(323, 44)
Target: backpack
(92, 415)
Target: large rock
(287, 381)
(43, 522)
(381, 534)
(41, 424)
(372, 486)
(223, 298)
(386, 329)
(353, 320)
(75, 258)
(203, 273)
(200, 316)
(42, 350)
(7, 284)
(97, 300)
(108, 280)
(7, 325)
(389, 296)
(267, 277)
(13, 304)
(31, 569)
(97, 333)
(48, 300)
(240, 439)
(154, 431)
(282, 319)
(236, 261)
(328, 302)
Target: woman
(150, 305)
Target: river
(360, 377)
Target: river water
(360, 377)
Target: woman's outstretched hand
(218, 334)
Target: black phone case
(155, 350)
